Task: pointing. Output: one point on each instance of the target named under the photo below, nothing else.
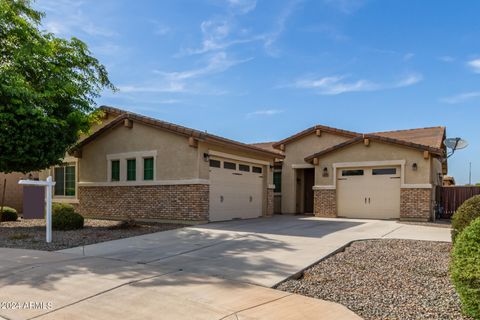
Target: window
(215, 163)
(381, 171)
(148, 169)
(131, 170)
(115, 170)
(244, 167)
(277, 181)
(352, 172)
(257, 169)
(230, 165)
(65, 180)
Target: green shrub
(64, 217)
(465, 268)
(468, 211)
(62, 208)
(8, 214)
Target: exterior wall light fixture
(325, 172)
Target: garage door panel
(375, 196)
(235, 194)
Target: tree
(47, 90)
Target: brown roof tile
(375, 137)
(266, 145)
(432, 136)
(214, 139)
(310, 130)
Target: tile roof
(432, 136)
(374, 137)
(266, 146)
(188, 132)
(308, 131)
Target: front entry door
(309, 180)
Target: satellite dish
(455, 144)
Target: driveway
(214, 271)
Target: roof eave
(177, 130)
(435, 151)
(311, 130)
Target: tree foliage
(47, 90)
(465, 214)
(465, 268)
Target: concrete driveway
(214, 271)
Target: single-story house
(144, 168)
(337, 173)
(136, 166)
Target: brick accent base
(270, 202)
(169, 202)
(325, 202)
(416, 204)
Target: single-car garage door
(372, 193)
(236, 190)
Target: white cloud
(280, 26)
(243, 6)
(266, 112)
(159, 28)
(222, 32)
(217, 63)
(474, 65)
(408, 80)
(67, 18)
(335, 85)
(462, 97)
(446, 58)
(183, 81)
(408, 56)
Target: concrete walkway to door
(213, 271)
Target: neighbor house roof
(432, 136)
(375, 137)
(266, 145)
(177, 129)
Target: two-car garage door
(236, 190)
(368, 192)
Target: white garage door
(372, 193)
(236, 190)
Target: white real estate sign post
(48, 184)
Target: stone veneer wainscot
(415, 203)
(188, 202)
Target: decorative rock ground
(30, 234)
(385, 279)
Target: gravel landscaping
(385, 279)
(30, 234)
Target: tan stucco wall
(295, 153)
(206, 147)
(175, 158)
(376, 151)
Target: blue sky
(263, 70)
